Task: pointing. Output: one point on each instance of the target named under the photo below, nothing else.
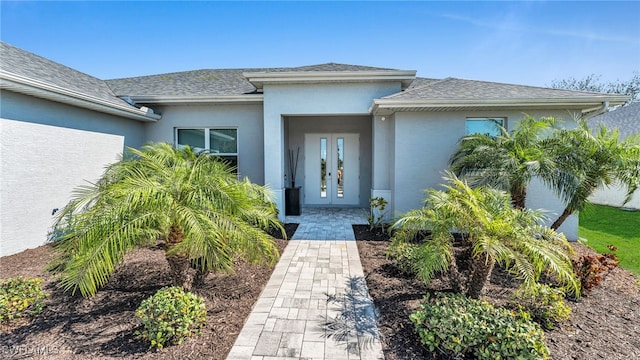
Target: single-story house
(362, 131)
(627, 120)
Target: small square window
(219, 142)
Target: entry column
(274, 157)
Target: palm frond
(497, 232)
(151, 191)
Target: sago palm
(193, 201)
(508, 161)
(588, 160)
(494, 232)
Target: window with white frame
(221, 142)
(489, 126)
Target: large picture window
(217, 141)
(487, 126)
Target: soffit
(259, 79)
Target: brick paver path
(315, 306)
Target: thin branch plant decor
(293, 165)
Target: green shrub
(170, 315)
(463, 327)
(405, 256)
(545, 304)
(376, 213)
(20, 297)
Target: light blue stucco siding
(26, 108)
(47, 150)
(422, 145)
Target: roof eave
(389, 106)
(217, 99)
(28, 86)
(259, 79)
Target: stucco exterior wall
(39, 111)
(297, 126)
(614, 195)
(40, 166)
(309, 99)
(246, 118)
(48, 149)
(423, 144)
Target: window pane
(323, 167)
(340, 167)
(231, 161)
(223, 141)
(484, 126)
(191, 137)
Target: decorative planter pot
(292, 201)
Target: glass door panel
(332, 169)
(340, 163)
(323, 167)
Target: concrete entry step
(327, 223)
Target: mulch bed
(103, 326)
(604, 324)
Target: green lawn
(604, 225)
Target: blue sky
(528, 42)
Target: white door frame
(341, 153)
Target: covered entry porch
(334, 159)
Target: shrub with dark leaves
(591, 269)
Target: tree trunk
(200, 277)
(518, 198)
(565, 214)
(481, 268)
(455, 279)
(181, 272)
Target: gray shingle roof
(626, 119)
(232, 82)
(25, 64)
(331, 67)
(419, 82)
(188, 83)
(212, 82)
(461, 89)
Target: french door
(332, 169)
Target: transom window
(487, 126)
(217, 141)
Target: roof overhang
(259, 79)
(185, 100)
(583, 104)
(28, 86)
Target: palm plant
(193, 201)
(494, 232)
(508, 161)
(587, 160)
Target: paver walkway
(316, 304)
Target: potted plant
(292, 194)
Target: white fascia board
(28, 86)
(222, 99)
(258, 79)
(386, 106)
